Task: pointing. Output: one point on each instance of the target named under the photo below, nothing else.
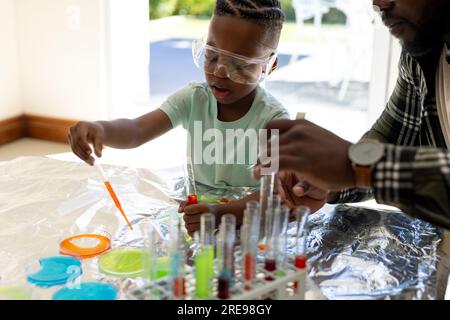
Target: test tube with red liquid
(191, 188)
(301, 214)
(272, 241)
(249, 242)
(178, 263)
(273, 202)
(226, 239)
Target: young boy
(238, 53)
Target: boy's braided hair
(266, 13)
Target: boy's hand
(81, 135)
(193, 213)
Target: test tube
(191, 189)
(301, 214)
(252, 205)
(152, 247)
(263, 196)
(249, 245)
(273, 202)
(272, 241)
(204, 261)
(283, 238)
(227, 235)
(177, 263)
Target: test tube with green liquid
(204, 261)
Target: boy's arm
(121, 134)
(132, 133)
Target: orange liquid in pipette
(116, 201)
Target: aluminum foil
(354, 253)
(361, 253)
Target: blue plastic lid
(56, 270)
(87, 291)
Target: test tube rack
(280, 288)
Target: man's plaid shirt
(415, 172)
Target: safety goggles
(237, 68)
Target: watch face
(366, 153)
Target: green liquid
(204, 271)
(123, 262)
(14, 293)
(280, 273)
(162, 268)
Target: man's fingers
(282, 125)
(301, 188)
(284, 162)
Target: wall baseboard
(11, 129)
(37, 127)
(49, 129)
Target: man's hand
(313, 153)
(81, 135)
(295, 191)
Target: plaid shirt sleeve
(414, 178)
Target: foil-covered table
(354, 253)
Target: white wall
(62, 53)
(10, 102)
(384, 71)
(83, 59)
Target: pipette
(113, 194)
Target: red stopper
(192, 199)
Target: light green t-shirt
(222, 152)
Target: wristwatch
(364, 155)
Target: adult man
(406, 161)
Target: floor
(31, 147)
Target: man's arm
(414, 179)
(394, 127)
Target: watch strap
(363, 176)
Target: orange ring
(67, 247)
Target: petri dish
(85, 245)
(51, 271)
(131, 263)
(87, 291)
(123, 262)
(15, 293)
